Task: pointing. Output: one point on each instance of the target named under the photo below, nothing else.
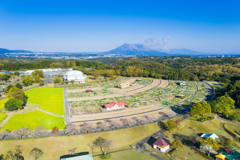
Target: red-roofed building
(88, 90)
(113, 106)
(161, 145)
(229, 150)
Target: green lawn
(50, 99)
(33, 119)
(128, 155)
(2, 102)
(2, 116)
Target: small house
(161, 145)
(123, 85)
(220, 156)
(114, 106)
(212, 135)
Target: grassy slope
(54, 147)
(2, 116)
(33, 119)
(50, 99)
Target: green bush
(18, 85)
(105, 156)
(13, 104)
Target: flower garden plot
(90, 94)
(147, 81)
(113, 84)
(81, 87)
(93, 109)
(150, 92)
(192, 86)
(78, 110)
(138, 81)
(130, 102)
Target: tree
(178, 123)
(4, 77)
(13, 104)
(72, 151)
(208, 144)
(40, 130)
(103, 144)
(72, 81)
(18, 85)
(41, 82)
(27, 80)
(200, 108)
(21, 132)
(224, 105)
(39, 73)
(92, 147)
(16, 73)
(17, 93)
(57, 80)
(96, 74)
(235, 116)
(176, 144)
(170, 125)
(35, 154)
(55, 130)
(9, 87)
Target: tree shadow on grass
(151, 141)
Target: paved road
(48, 80)
(225, 121)
(66, 107)
(210, 92)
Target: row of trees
(16, 154)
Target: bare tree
(3, 134)
(141, 120)
(72, 151)
(92, 147)
(21, 132)
(71, 129)
(153, 118)
(116, 123)
(35, 154)
(39, 131)
(103, 144)
(86, 127)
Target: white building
(161, 145)
(114, 106)
(29, 72)
(123, 85)
(75, 75)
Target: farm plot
(186, 95)
(90, 94)
(130, 102)
(49, 99)
(113, 84)
(138, 81)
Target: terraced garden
(90, 94)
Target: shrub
(18, 85)
(13, 104)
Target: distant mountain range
(151, 46)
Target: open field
(2, 116)
(128, 155)
(32, 120)
(49, 99)
(2, 102)
(54, 147)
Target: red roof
(229, 150)
(160, 142)
(88, 90)
(113, 104)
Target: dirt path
(79, 90)
(94, 97)
(163, 84)
(133, 112)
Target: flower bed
(90, 94)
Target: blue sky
(92, 26)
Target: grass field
(50, 99)
(33, 119)
(54, 147)
(2, 102)
(2, 116)
(128, 155)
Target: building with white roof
(75, 75)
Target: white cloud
(157, 44)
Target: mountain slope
(134, 49)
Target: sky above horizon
(96, 26)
